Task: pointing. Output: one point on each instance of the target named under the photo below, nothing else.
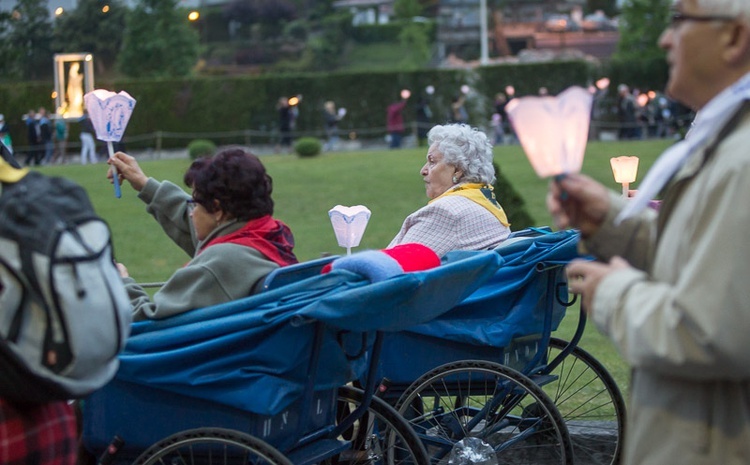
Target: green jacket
(220, 273)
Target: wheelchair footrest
(543, 380)
(318, 451)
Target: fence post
(158, 144)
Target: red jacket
(395, 120)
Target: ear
(218, 213)
(736, 42)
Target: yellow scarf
(482, 194)
(10, 174)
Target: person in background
(458, 110)
(626, 112)
(462, 213)
(424, 120)
(226, 226)
(331, 118)
(669, 288)
(61, 140)
(46, 136)
(88, 145)
(499, 117)
(5, 133)
(395, 120)
(32, 135)
(286, 118)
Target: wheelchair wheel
(213, 446)
(496, 404)
(590, 403)
(380, 437)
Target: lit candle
(553, 130)
(625, 170)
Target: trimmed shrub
(307, 147)
(512, 202)
(200, 148)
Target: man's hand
(584, 277)
(577, 201)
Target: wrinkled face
(694, 54)
(437, 175)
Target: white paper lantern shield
(109, 113)
(624, 169)
(553, 130)
(349, 224)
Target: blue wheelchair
(264, 380)
(490, 371)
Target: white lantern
(625, 170)
(349, 224)
(109, 113)
(553, 130)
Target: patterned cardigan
(452, 223)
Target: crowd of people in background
(621, 113)
(647, 115)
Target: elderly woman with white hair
(462, 213)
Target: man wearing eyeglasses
(671, 288)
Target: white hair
(735, 8)
(466, 148)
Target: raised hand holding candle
(110, 113)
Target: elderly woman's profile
(462, 213)
(226, 226)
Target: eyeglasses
(191, 204)
(678, 18)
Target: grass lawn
(387, 182)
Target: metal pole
(484, 58)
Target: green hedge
(200, 107)
(372, 33)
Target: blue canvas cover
(253, 354)
(512, 303)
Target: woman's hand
(122, 270)
(577, 201)
(128, 170)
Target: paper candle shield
(349, 224)
(624, 169)
(109, 113)
(553, 130)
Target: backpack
(64, 311)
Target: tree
(159, 41)
(641, 24)
(511, 201)
(89, 28)
(415, 37)
(266, 15)
(8, 54)
(407, 9)
(27, 40)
